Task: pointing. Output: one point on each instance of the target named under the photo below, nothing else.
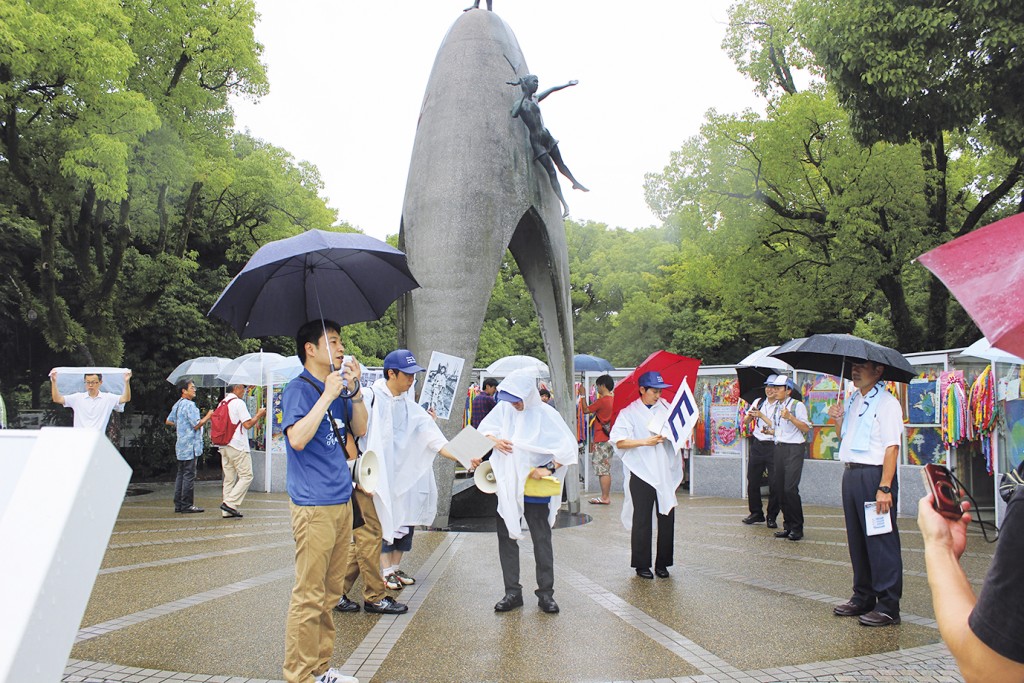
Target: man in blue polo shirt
(315, 422)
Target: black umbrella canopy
(835, 353)
(751, 380)
(345, 277)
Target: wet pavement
(202, 598)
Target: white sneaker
(335, 676)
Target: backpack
(222, 429)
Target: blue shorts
(403, 544)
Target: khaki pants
(237, 466)
(365, 556)
(323, 537)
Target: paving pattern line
(103, 628)
(703, 660)
(212, 518)
(375, 647)
(236, 525)
(190, 539)
(193, 558)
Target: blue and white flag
(677, 424)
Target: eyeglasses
(91, 381)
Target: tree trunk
(188, 218)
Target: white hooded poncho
(406, 440)
(538, 435)
(660, 466)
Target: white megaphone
(364, 471)
(484, 478)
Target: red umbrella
(984, 270)
(673, 368)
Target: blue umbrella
(583, 362)
(345, 277)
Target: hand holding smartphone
(939, 482)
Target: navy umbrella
(835, 353)
(341, 276)
(584, 362)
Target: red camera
(939, 481)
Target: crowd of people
(342, 532)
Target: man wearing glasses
(92, 407)
(871, 426)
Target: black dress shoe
(644, 573)
(850, 609)
(509, 603)
(782, 534)
(796, 535)
(661, 572)
(548, 604)
(192, 508)
(386, 605)
(753, 518)
(232, 512)
(876, 618)
(346, 605)
(771, 523)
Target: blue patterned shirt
(185, 416)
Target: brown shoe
(849, 609)
(876, 618)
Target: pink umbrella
(984, 270)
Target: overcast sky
(347, 78)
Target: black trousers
(877, 562)
(789, 466)
(645, 501)
(184, 484)
(761, 460)
(536, 515)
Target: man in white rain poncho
(530, 440)
(406, 440)
(653, 471)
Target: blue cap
(503, 395)
(652, 380)
(402, 360)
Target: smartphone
(939, 482)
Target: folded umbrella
(345, 277)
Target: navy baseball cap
(505, 396)
(652, 380)
(402, 360)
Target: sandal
(597, 501)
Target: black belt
(857, 465)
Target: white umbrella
(254, 369)
(505, 366)
(984, 349)
(202, 370)
(761, 359)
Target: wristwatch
(885, 489)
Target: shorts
(601, 458)
(403, 544)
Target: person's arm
(835, 411)
(555, 89)
(55, 394)
(248, 424)
(953, 598)
(797, 422)
(304, 429)
(883, 501)
(652, 440)
(360, 416)
(204, 420)
(127, 395)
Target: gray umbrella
(834, 353)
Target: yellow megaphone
(364, 470)
(484, 478)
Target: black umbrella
(835, 353)
(345, 277)
(752, 379)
